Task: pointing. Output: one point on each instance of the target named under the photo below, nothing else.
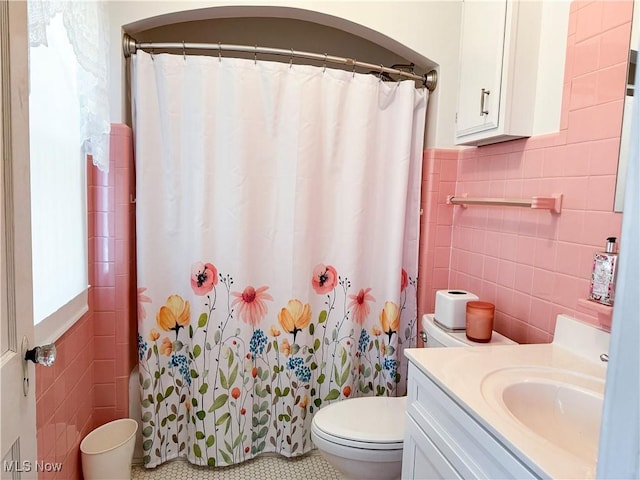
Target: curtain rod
(131, 45)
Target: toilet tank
(437, 336)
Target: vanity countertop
(475, 378)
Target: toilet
(363, 437)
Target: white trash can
(107, 451)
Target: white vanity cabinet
(443, 441)
(499, 61)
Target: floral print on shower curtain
(277, 218)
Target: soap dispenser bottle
(603, 278)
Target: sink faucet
(604, 357)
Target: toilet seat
(370, 423)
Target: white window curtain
(86, 25)
(68, 120)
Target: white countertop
(460, 372)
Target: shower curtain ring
(353, 72)
(184, 53)
(380, 76)
(219, 53)
(291, 59)
(325, 63)
(255, 55)
(152, 59)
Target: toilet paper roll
(451, 308)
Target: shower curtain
(277, 239)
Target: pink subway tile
(443, 236)
(122, 223)
(508, 247)
(540, 315)
(104, 274)
(447, 154)
(521, 306)
(601, 192)
(104, 224)
(122, 394)
(445, 215)
(123, 367)
(616, 13)
(475, 265)
(104, 371)
(584, 91)
(104, 324)
(122, 187)
(523, 281)
(568, 259)
(449, 170)
(525, 246)
(532, 163)
(105, 299)
(122, 326)
(571, 226)
(104, 348)
(612, 83)
(104, 395)
(604, 157)
(577, 158)
(589, 21)
(545, 254)
(566, 98)
(614, 46)
(518, 331)
(490, 269)
(440, 278)
(543, 284)
(600, 226)
(104, 198)
(513, 188)
(506, 273)
(535, 335)
(567, 290)
(102, 415)
(586, 56)
(574, 190)
(104, 249)
(442, 256)
(595, 123)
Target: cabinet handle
(482, 97)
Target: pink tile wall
(534, 264)
(115, 328)
(436, 223)
(88, 384)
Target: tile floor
(311, 466)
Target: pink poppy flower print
(252, 307)
(360, 306)
(404, 280)
(204, 276)
(325, 278)
(142, 299)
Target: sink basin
(566, 416)
(558, 406)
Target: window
(58, 187)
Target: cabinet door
(421, 459)
(481, 60)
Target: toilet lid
(365, 419)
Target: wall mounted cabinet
(500, 63)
